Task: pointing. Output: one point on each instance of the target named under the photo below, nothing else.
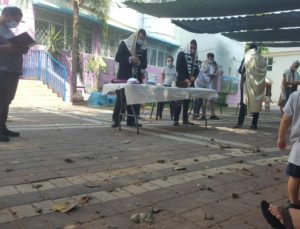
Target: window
(161, 59)
(269, 63)
(153, 57)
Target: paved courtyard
(69, 169)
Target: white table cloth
(143, 93)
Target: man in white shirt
(168, 76)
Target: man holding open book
(12, 48)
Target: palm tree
(99, 8)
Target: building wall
(282, 60)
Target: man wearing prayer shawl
(253, 70)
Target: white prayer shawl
(254, 86)
(131, 43)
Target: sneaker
(237, 126)
(10, 133)
(214, 117)
(253, 127)
(175, 123)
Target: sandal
(273, 221)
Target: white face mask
(140, 42)
(12, 24)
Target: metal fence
(40, 65)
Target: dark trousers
(197, 106)
(242, 112)
(120, 101)
(8, 87)
(185, 104)
(160, 108)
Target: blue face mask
(140, 42)
(12, 24)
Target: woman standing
(11, 64)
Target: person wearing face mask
(168, 76)
(290, 82)
(187, 71)
(11, 65)
(132, 59)
(207, 79)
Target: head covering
(187, 50)
(12, 11)
(130, 43)
(296, 63)
(252, 46)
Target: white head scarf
(130, 42)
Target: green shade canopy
(265, 35)
(264, 21)
(279, 44)
(212, 8)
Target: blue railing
(40, 65)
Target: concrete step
(35, 93)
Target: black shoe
(188, 123)
(254, 127)
(3, 138)
(237, 126)
(10, 133)
(203, 118)
(214, 117)
(133, 124)
(115, 125)
(175, 123)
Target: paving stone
(201, 215)
(8, 190)
(134, 189)
(161, 183)
(51, 220)
(60, 182)
(45, 206)
(25, 188)
(178, 204)
(46, 185)
(104, 196)
(24, 211)
(76, 180)
(6, 216)
(121, 193)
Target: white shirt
(292, 109)
(170, 75)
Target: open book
(24, 39)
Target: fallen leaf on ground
(63, 207)
(196, 160)
(225, 146)
(73, 226)
(87, 157)
(39, 210)
(37, 186)
(179, 168)
(15, 162)
(208, 217)
(9, 170)
(138, 217)
(161, 161)
(235, 196)
(84, 200)
(116, 158)
(68, 160)
(126, 142)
